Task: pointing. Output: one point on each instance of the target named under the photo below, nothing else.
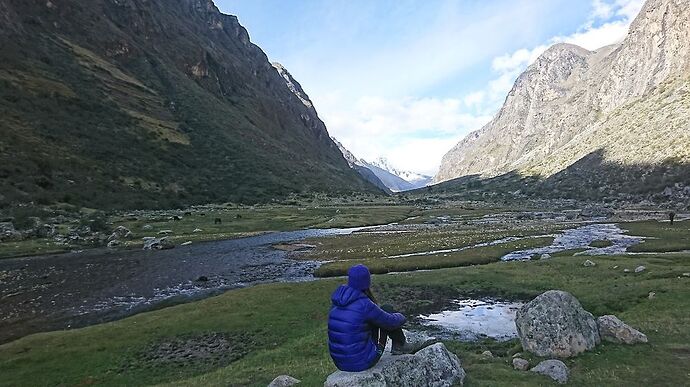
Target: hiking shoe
(410, 348)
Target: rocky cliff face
(149, 103)
(624, 105)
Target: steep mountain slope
(150, 103)
(625, 106)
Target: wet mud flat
(72, 290)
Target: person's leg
(397, 335)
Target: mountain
(416, 180)
(361, 168)
(614, 120)
(381, 173)
(151, 103)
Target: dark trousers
(381, 335)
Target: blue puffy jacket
(351, 322)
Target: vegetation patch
(201, 352)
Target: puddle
(581, 238)
(472, 320)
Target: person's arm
(383, 319)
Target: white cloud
(413, 133)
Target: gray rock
(165, 232)
(120, 232)
(555, 324)
(186, 243)
(612, 329)
(555, 369)
(197, 230)
(8, 233)
(158, 244)
(589, 263)
(545, 256)
(520, 364)
(652, 295)
(433, 366)
(487, 354)
(284, 381)
(640, 269)
(114, 243)
(147, 227)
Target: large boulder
(555, 325)
(555, 369)
(612, 329)
(433, 366)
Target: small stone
(114, 243)
(686, 274)
(164, 232)
(487, 354)
(545, 256)
(517, 354)
(626, 270)
(197, 230)
(186, 243)
(589, 263)
(615, 267)
(284, 381)
(652, 295)
(612, 329)
(520, 364)
(555, 369)
(640, 269)
(147, 227)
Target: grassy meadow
(280, 328)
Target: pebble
(640, 269)
(651, 295)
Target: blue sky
(407, 79)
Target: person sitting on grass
(358, 328)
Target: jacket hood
(346, 295)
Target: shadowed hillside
(132, 103)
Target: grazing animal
(671, 216)
(217, 221)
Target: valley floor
(248, 336)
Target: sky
(408, 79)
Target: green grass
(237, 221)
(381, 245)
(474, 256)
(601, 244)
(31, 247)
(663, 236)
(287, 322)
